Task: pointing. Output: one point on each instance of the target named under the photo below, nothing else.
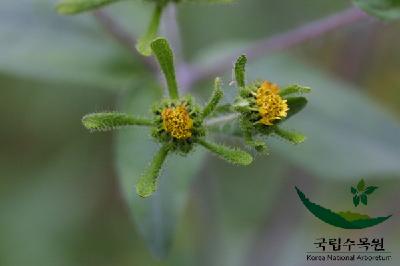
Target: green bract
(178, 124)
(159, 132)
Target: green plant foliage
(328, 126)
(262, 107)
(156, 217)
(73, 51)
(296, 104)
(144, 42)
(240, 70)
(165, 57)
(294, 89)
(71, 7)
(234, 156)
(178, 123)
(214, 100)
(112, 120)
(293, 137)
(147, 182)
(383, 9)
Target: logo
(346, 219)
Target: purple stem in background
(275, 43)
(123, 37)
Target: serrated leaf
(364, 199)
(356, 200)
(361, 185)
(71, 7)
(156, 217)
(353, 190)
(383, 9)
(370, 190)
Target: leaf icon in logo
(361, 185)
(356, 200)
(370, 190)
(364, 199)
(361, 193)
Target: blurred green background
(61, 202)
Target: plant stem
(278, 42)
(123, 37)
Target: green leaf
(364, 199)
(356, 200)
(296, 104)
(144, 42)
(353, 190)
(147, 183)
(240, 70)
(112, 120)
(293, 137)
(231, 155)
(71, 7)
(361, 185)
(383, 9)
(294, 89)
(215, 98)
(165, 58)
(156, 217)
(370, 190)
(47, 47)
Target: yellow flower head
(177, 122)
(270, 104)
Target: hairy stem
(278, 42)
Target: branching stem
(277, 42)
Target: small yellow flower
(270, 104)
(177, 122)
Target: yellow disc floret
(177, 122)
(270, 104)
